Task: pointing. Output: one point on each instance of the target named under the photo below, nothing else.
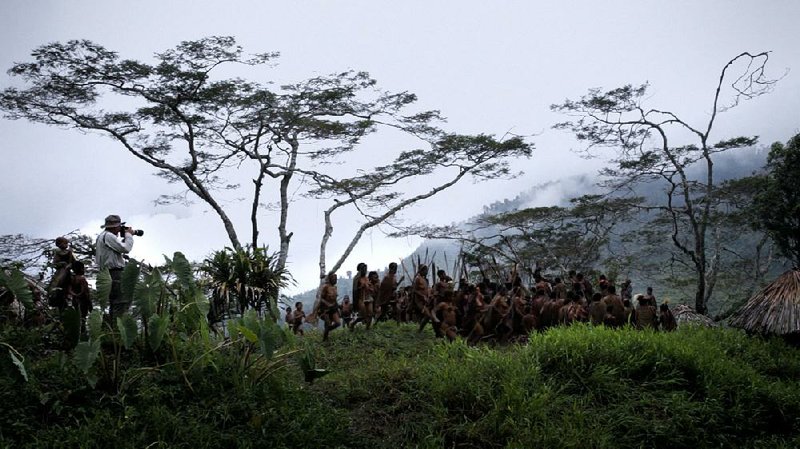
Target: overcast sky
(489, 66)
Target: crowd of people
(501, 311)
(487, 309)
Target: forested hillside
(632, 250)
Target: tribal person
(668, 322)
(597, 309)
(328, 308)
(585, 285)
(649, 298)
(363, 296)
(445, 311)
(626, 290)
(542, 284)
(441, 286)
(288, 317)
(646, 314)
(560, 289)
(473, 309)
(78, 293)
(440, 290)
(297, 318)
(347, 310)
(421, 296)
(59, 284)
(572, 310)
(387, 294)
(617, 306)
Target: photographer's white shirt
(110, 249)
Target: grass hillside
(393, 387)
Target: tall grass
(390, 387)
(581, 386)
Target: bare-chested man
(446, 310)
(616, 304)
(347, 310)
(362, 297)
(297, 318)
(596, 309)
(328, 307)
(667, 319)
(421, 296)
(442, 286)
(387, 294)
(560, 289)
(646, 314)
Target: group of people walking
(486, 310)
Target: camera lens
(138, 233)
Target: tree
(642, 142)
(563, 237)
(777, 205)
(374, 196)
(195, 128)
(745, 254)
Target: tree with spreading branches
(195, 127)
(374, 196)
(642, 141)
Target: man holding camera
(115, 240)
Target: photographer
(112, 243)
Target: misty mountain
(444, 253)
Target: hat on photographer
(112, 221)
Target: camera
(136, 232)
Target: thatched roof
(687, 315)
(773, 310)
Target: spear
(480, 268)
(403, 264)
(465, 268)
(516, 256)
(494, 268)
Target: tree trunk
(700, 295)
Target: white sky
(489, 66)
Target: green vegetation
(580, 386)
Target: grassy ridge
(575, 387)
(393, 387)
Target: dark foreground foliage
(392, 387)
